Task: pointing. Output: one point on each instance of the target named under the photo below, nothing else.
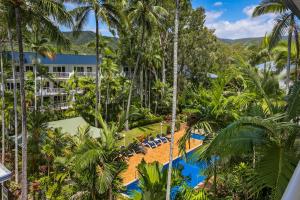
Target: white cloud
(212, 16)
(243, 28)
(218, 3)
(249, 10)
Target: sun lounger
(163, 139)
(156, 141)
(149, 144)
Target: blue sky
(231, 19)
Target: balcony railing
(51, 91)
(88, 74)
(60, 74)
(55, 106)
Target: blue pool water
(191, 169)
(197, 136)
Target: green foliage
(153, 181)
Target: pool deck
(160, 154)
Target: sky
(231, 19)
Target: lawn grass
(152, 129)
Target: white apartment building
(60, 69)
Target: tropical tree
(144, 15)
(174, 102)
(286, 23)
(153, 181)
(97, 164)
(39, 44)
(102, 10)
(2, 100)
(46, 11)
(268, 136)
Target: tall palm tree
(285, 24)
(102, 10)
(7, 10)
(39, 44)
(10, 39)
(2, 101)
(174, 101)
(144, 15)
(46, 11)
(97, 163)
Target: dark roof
(60, 59)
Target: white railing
(88, 74)
(60, 74)
(51, 91)
(61, 106)
(55, 106)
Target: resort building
(55, 71)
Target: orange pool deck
(160, 154)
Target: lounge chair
(163, 139)
(137, 148)
(126, 152)
(149, 144)
(158, 142)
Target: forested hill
(89, 36)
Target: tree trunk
(15, 104)
(132, 81)
(288, 68)
(107, 102)
(297, 53)
(35, 82)
(3, 105)
(141, 87)
(174, 102)
(97, 69)
(24, 188)
(41, 92)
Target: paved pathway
(160, 154)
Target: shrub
(177, 125)
(144, 122)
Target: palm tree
(285, 23)
(174, 102)
(39, 45)
(97, 163)
(15, 104)
(268, 135)
(45, 11)
(153, 181)
(101, 10)
(2, 101)
(145, 15)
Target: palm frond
(280, 29)
(269, 6)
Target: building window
(78, 69)
(29, 68)
(17, 68)
(57, 84)
(89, 69)
(59, 69)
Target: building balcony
(88, 74)
(51, 91)
(55, 106)
(69, 74)
(60, 74)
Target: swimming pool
(191, 169)
(197, 136)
